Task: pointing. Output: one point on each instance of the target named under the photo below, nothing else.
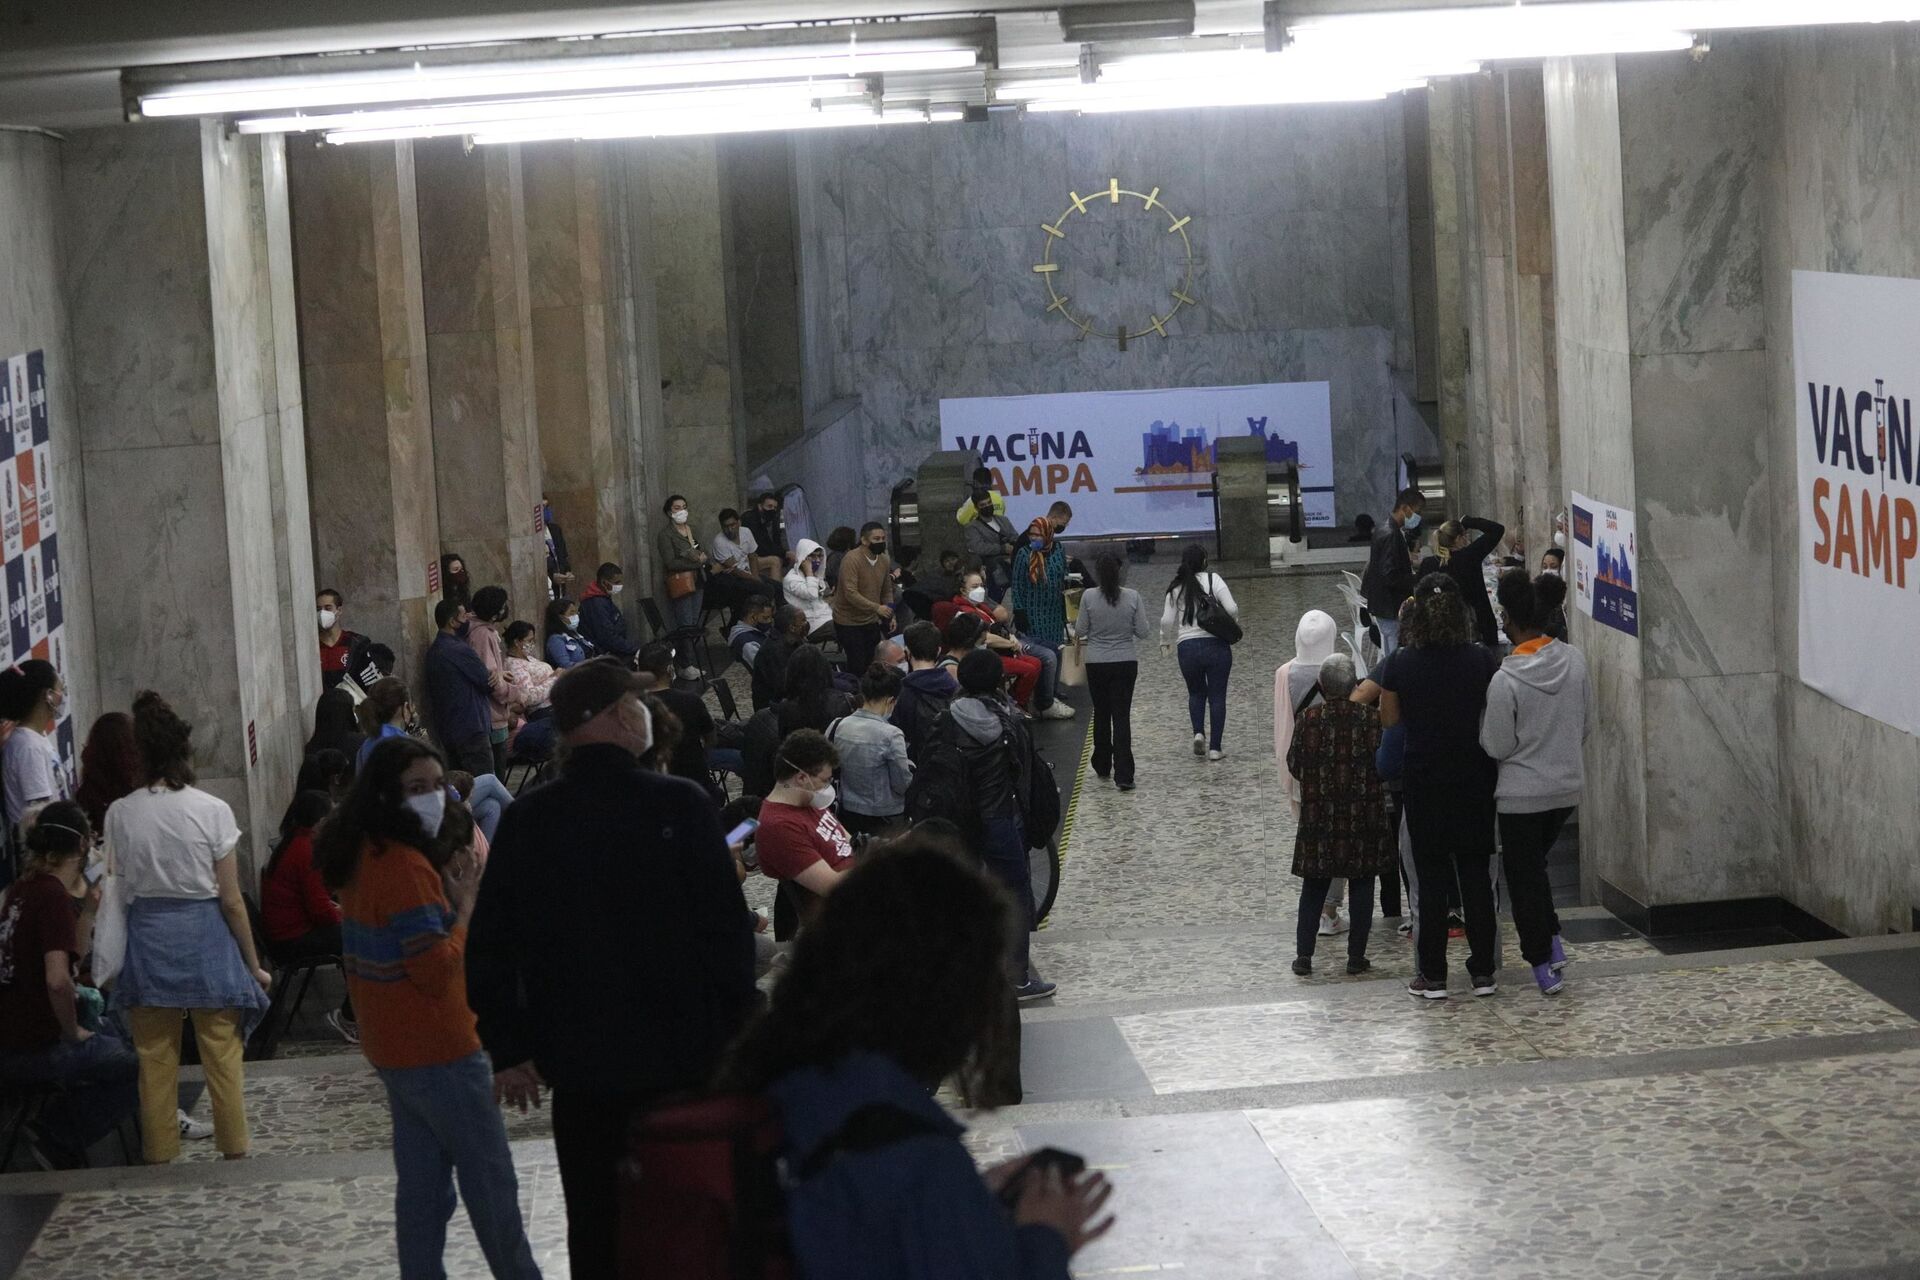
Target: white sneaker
(191, 1128)
(1057, 710)
(1216, 756)
(689, 673)
(1200, 744)
(345, 1029)
(1332, 926)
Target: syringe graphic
(1880, 426)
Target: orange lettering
(1906, 536)
(1875, 538)
(1083, 480)
(1843, 543)
(1026, 479)
(1056, 476)
(1822, 549)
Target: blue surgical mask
(1413, 521)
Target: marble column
(180, 278)
(486, 438)
(363, 347)
(690, 291)
(570, 287)
(1449, 174)
(1662, 371)
(636, 402)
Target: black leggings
(1525, 840)
(1451, 821)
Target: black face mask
(463, 628)
(876, 548)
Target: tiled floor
(1671, 1114)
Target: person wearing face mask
(505, 697)
(396, 853)
(730, 573)
(1553, 563)
(769, 536)
(805, 587)
(863, 600)
(1039, 570)
(683, 565)
(31, 695)
(1026, 667)
(1464, 558)
(1388, 580)
(615, 997)
(460, 691)
(341, 650)
(986, 534)
(602, 625)
(386, 713)
(873, 751)
(453, 578)
(800, 840)
(566, 648)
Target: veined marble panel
(1714, 816)
(1589, 230)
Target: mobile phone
(744, 832)
(1069, 1165)
(95, 871)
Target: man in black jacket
(610, 955)
(926, 691)
(1388, 580)
(770, 659)
(1466, 556)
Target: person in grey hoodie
(1535, 722)
(1112, 622)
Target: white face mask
(679, 517)
(823, 798)
(430, 808)
(573, 622)
(1559, 538)
(616, 588)
(977, 595)
(1550, 573)
(327, 618)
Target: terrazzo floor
(1667, 1116)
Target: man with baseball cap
(610, 956)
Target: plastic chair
(687, 642)
(280, 1010)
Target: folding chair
(687, 642)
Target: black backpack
(1039, 792)
(939, 788)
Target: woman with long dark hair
(394, 852)
(190, 950)
(1112, 622)
(298, 917)
(566, 648)
(871, 1016)
(1205, 659)
(336, 727)
(109, 765)
(1436, 684)
(31, 694)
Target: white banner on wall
(29, 530)
(1606, 564)
(1141, 462)
(1856, 362)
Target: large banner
(30, 528)
(1606, 564)
(1856, 362)
(1141, 462)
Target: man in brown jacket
(863, 599)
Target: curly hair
(165, 741)
(1530, 603)
(929, 997)
(1440, 619)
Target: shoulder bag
(1215, 621)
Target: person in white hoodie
(806, 589)
(1535, 722)
(1296, 686)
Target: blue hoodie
(913, 1210)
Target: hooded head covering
(805, 548)
(1314, 638)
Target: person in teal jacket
(861, 1024)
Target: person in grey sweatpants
(1535, 721)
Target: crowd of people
(587, 943)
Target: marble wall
(33, 316)
(376, 526)
(916, 248)
(763, 296)
(480, 360)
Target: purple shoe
(1550, 982)
(1559, 960)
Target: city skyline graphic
(1168, 449)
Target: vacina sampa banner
(29, 528)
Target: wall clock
(1053, 271)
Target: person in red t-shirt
(42, 939)
(299, 917)
(337, 644)
(800, 842)
(1021, 667)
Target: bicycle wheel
(1043, 865)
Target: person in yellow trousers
(189, 950)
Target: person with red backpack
(856, 1038)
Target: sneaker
(1484, 986)
(1057, 710)
(1200, 744)
(1456, 927)
(1421, 989)
(1357, 967)
(1559, 960)
(1332, 926)
(1550, 982)
(1123, 786)
(1215, 757)
(1302, 966)
(689, 673)
(1405, 928)
(1034, 989)
(191, 1128)
(345, 1027)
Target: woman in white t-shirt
(1205, 659)
(189, 944)
(31, 694)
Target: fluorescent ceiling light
(463, 117)
(518, 78)
(772, 118)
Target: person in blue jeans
(1205, 660)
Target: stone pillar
(636, 409)
(180, 278)
(1663, 385)
(571, 287)
(1242, 471)
(363, 348)
(486, 439)
(942, 484)
(1449, 173)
